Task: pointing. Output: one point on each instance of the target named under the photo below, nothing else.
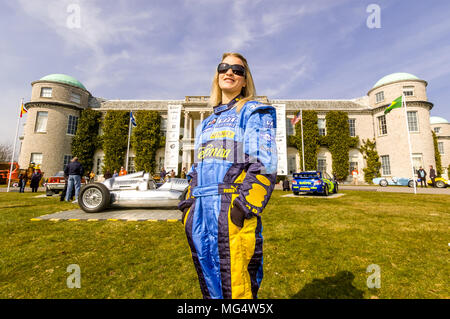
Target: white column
(185, 140)
(191, 139)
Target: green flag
(395, 104)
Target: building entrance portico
(195, 110)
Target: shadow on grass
(337, 287)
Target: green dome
(437, 120)
(394, 77)
(62, 78)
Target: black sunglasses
(236, 68)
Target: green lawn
(313, 248)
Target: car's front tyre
(94, 198)
(440, 184)
(383, 183)
(325, 191)
(411, 184)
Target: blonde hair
(248, 92)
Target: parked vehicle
(132, 190)
(313, 182)
(55, 183)
(439, 182)
(4, 172)
(393, 181)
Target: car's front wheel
(335, 188)
(383, 183)
(325, 191)
(94, 198)
(440, 184)
(296, 193)
(411, 184)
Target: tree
(338, 140)
(86, 140)
(370, 154)
(311, 138)
(115, 139)
(437, 155)
(5, 152)
(146, 140)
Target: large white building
(57, 100)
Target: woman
(230, 184)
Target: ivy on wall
(115, 139)
(338, 141)
(86, 139)
(437, 155)
(146, 140)
(373, 164)
(311, 139)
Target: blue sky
(169, 49)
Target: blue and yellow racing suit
(235, 167)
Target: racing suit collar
(225, 107)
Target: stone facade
(55, 142)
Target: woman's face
(230, 82)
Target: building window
(352, 127)
(73, 124)
(163, 128)
(66, 160)
(75, 97)
(160, 163)
(322, 165)
(441, 148)
(379, 97)
(292, 167)
(322, 127)
(99, 166)
(382, 127)
(36, 158)
(46, 92)
(385, 165)
(417, 161)
(437, 130)
(412, 121)
(131, 167)
(289, 127)
(408, 90)
(41, 122)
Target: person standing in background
(423, 176)
(74, 170)
(432, 175)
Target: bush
(437, 155)
(338, 140)
(370, 154)
(311, 139)
(86, 140)
(115, 139)
(146, 140)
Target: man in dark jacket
(74, 170)
(432, 174)
(423, 176)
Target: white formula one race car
(133, 190)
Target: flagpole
(14, 148)
(303, 144)
(409, 144)
(128, 147)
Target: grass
(313, 248)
